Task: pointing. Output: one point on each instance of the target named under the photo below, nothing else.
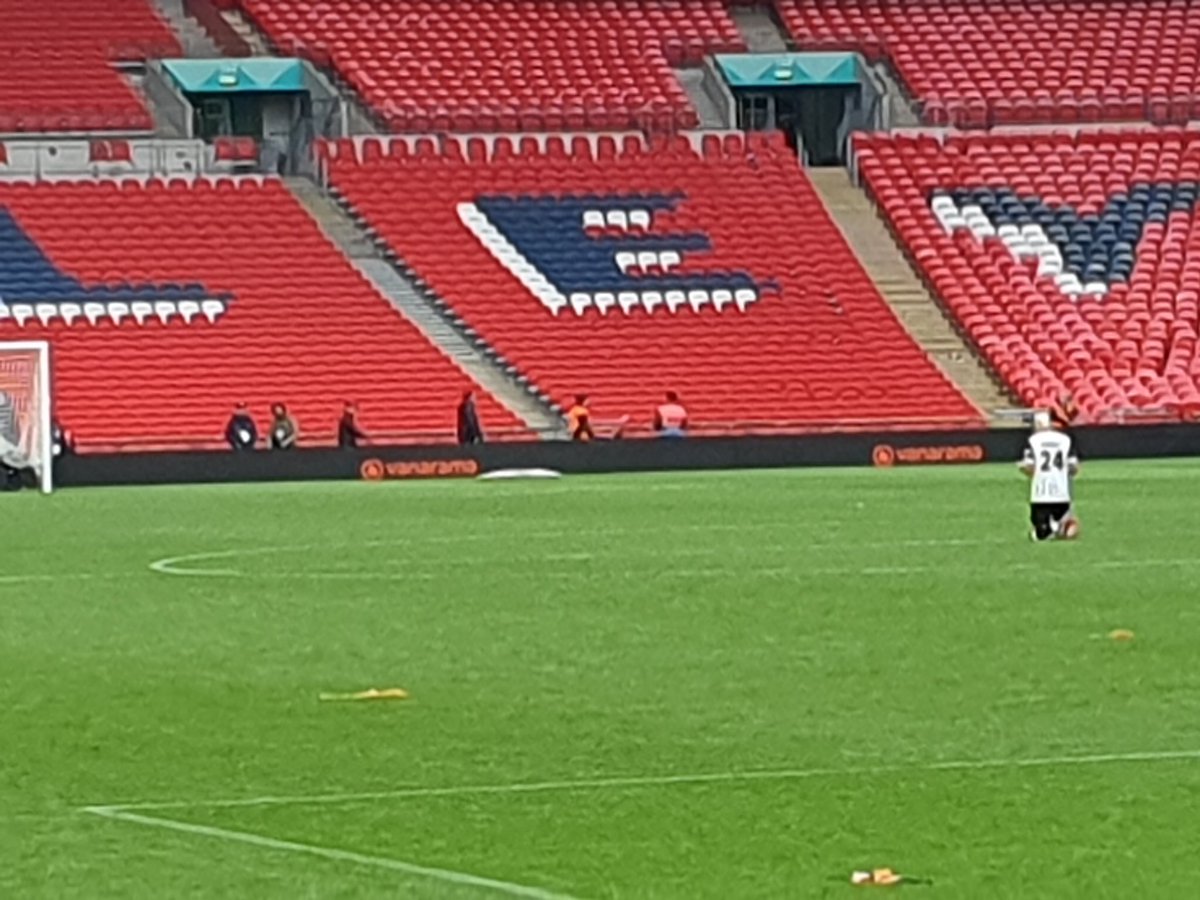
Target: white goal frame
(45, 407)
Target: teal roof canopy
(240, 76)
(773, 70)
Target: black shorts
(1044, 516)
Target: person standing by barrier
(241, 433)
(469, 430)
(283, 428)
(670, 418)
(349, 434)
(579, 420)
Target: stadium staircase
(876, 249)
(902, 108)
(710, 113)
(473, 357)
(359, 116)
(769, 323)
(194, 39)
(247, 32)
(761, 31)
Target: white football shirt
(1050, 454)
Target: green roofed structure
(228, 76)
(818, 99)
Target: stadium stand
(975, 63)
(507, 65)
(624, 270)
(1069, 258)
(56, 64)
(166, 303)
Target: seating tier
(508, 65)
(56, 64)
(1073, 261)
(626, 271)
(978, 62)
(293, 321)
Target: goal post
(26, 419)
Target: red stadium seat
(816, 345)
(1142, 56)
(301, 326)
(522, 64)
(1065, 257)
(56, 70)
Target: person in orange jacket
(579, 420)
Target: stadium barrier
(881, 449)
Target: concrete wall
(33, 160)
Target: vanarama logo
(885, 455)
(378, 470)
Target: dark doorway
(816, 119)
(219, 115)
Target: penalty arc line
(172, 565)
(449, 876)
(167, 567)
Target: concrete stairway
(759, 28)
(165, 126)
(359, 119)
(916, 308)
(902, 109)
(472, 356)
(247, 32)
(337, 225)
(710, 114)
(196, 42)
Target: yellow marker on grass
(369, 694)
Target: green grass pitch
(693, 685)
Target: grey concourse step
(710, 114)
(474, 358)
(195, 40)
(893, 275)
(759, 28)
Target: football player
(1050, 463)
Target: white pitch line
(638, 781)
(800, 573)
(171, 565)
(448, 876)
(65, 576)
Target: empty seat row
(56, 64)
(975, 63)
(140, 311)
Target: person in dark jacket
(61, 440)
(469, 429)
(283, 428)
(349, 434)
(241, 432)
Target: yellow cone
(881, 877)
(369, 694)
(1121, 634)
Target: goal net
(25, 419)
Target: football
(1069, 529)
